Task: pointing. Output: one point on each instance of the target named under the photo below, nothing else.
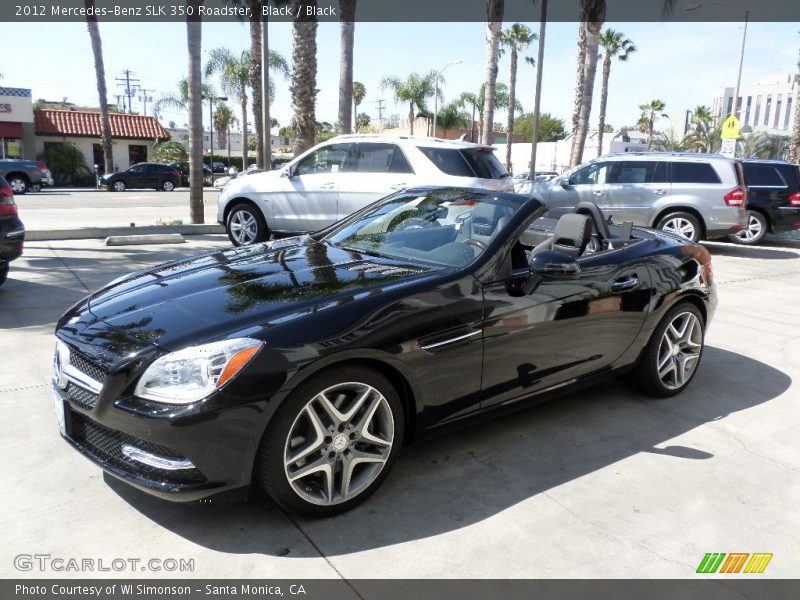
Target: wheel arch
(764, 213)
(682, 208)
(694, 299)
(236, 201)
(20, 174)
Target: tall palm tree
(180, 100)
(451, 116)
(614, 44)
(415, 91)
(651, 112)
(234, 76)
(474, 102)
(517, 38)
(346, 84)
(255, 79)
(793, 155)
(304, 74)
(195, 96)
(102, 92)
(359, 93)
(223, 119)
(494, 22)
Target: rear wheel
(119, 186)
(332, 443)
(755, 231)
(246, 225)
(670, 359)
(681, 223)
(168, 186)
(18, 184)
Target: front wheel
(168, 186)
(246, 225)
(18, 185)
(119, 186)
(332, 443)
(669, 361)
(755, 231)
(681, 223)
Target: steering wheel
(478, 244)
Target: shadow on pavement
(453, 480)
(738, 251)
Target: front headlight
(194, 373)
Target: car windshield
(445, 226)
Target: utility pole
(128, 85)
(537, 101)
(380, 113)
(145, 97)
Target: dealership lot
(604, 483)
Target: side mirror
(563, 182)
(553, 262)
(287, 172)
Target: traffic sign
(728, 148)
(730, 128)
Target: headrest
(572, 233)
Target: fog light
(153, 460)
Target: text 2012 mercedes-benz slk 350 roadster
(303, 365)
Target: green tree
(304, 74)
(363, 122)
(651, 113)
(475, 102)
(451, 116)
(793, 153)
(223, 120)
(102, 92)
(614, 44)
(65, 161)
(517, 39)
(359, 93)
(551, 129)
(169, 151)
(415, 91)
(234, 77)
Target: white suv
(344, 174)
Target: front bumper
(12, 238)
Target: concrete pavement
(604, 483)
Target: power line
(380, 112)
(145, 97)
(128, 85)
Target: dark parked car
(183, 167)
(305, 364)
(12, 231)
(219, 167)
(773, 199)
(143, 175)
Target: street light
(211, 100)
(741, 49)
(436, 93)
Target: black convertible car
(305, 364)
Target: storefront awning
(10, 130)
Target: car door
(135, 177)
(564, 328)
(585, 183)
(378, 169)
(306, 199)
(632, 188)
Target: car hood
(244, 291)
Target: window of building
(788, 113)
(136, 154)
(758, 110)
(747, 110)
(730, 106)
(778, 103)
(10, 148)
(766, 109)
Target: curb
(139, 240)
(87, 233)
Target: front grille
(106, 445)
(86, 366)
(81, 396)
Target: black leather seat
(571, 236)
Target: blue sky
(683, 64)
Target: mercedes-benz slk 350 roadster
(303, 365)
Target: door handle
(659, 192)
(598, 193)
(327, 186)
(624, 284)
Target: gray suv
(694, 195)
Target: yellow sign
(730, 128)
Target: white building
(766, 106)
(181, 135)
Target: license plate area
(60, 411)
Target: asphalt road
(604, 483)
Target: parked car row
(25, 175)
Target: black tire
(671, 222)
(168, 186)
(19, 184)
(270, 471)
(118, 186)
(757, 228)
(36, 188)
(4, 273)
(252, 228)
(645, 376)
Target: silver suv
(342, 175)
(694, 195)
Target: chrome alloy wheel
(753, 231)
(679, 226)
(679, 350)
(339, 443)
(244, 227)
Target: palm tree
(195, 102)
(359, 93)
(234, 75)
(179, 100)
(102, 92)
(651, 112)
(415, 90)
(346, 84)
(304, 74)
(255, 79)
(494, 22)
(793, 155)
(614, 44)
(502, 100)
(223, 119)
(451, 116)
(517, 37)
